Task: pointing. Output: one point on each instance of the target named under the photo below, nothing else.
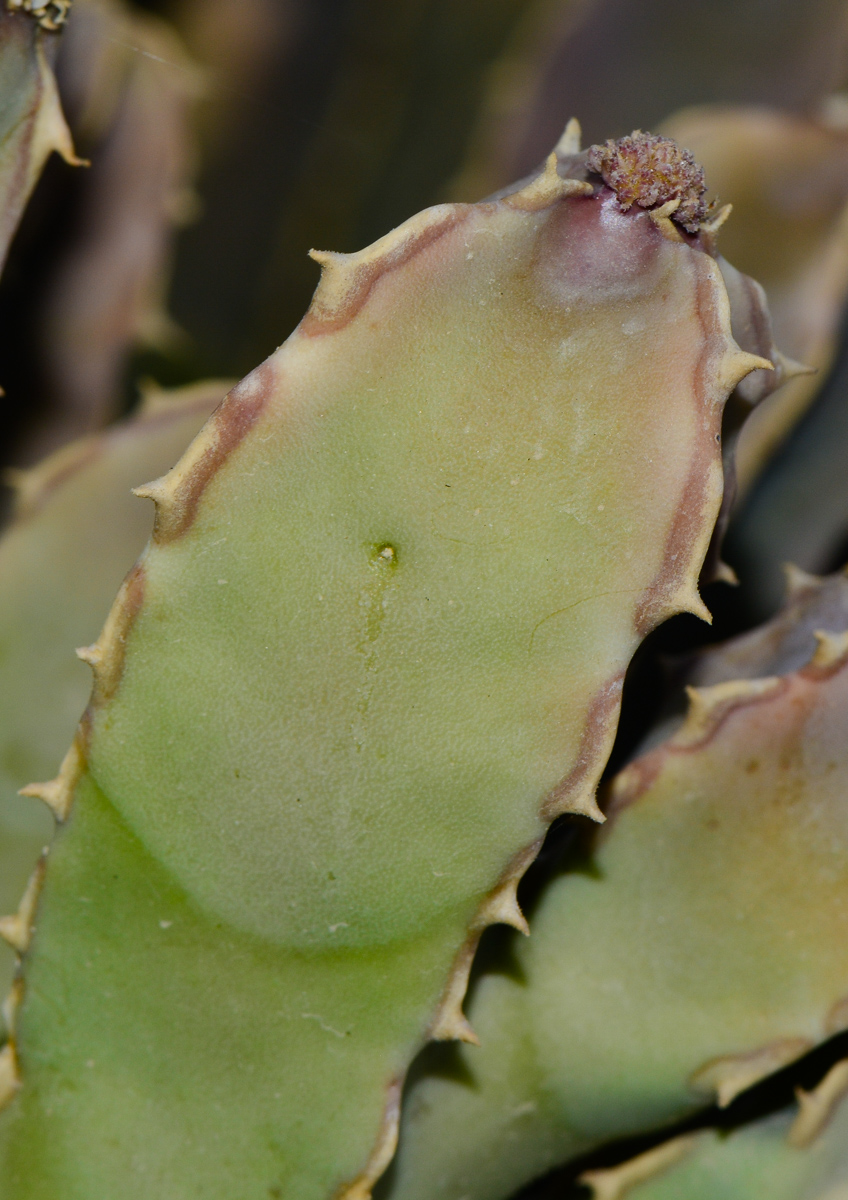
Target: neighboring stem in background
(787, 179)
(87, 272)
(798, 509)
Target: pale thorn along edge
(731, 1075)
(837, 1018)
(741, 364)
(47, 133)
(10, 1081)
(816, 1107)
(547, 187)
(614, 1183)
(105, 657)
(831, 648)
(501, 908)
(51, 131)
(786, 642)
(570, 139)
(714, 224)
(709, 705)
(16, 931)
(387, 1141)
(342, 276)
(58, 793)
(798, 580)
(33, 485)
(790, 368)
(662, 219)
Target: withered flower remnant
(650, 170)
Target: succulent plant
(374, 650)
(375, 647)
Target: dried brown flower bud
(649, 170)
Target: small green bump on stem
(385, 554)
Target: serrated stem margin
(346, 282)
